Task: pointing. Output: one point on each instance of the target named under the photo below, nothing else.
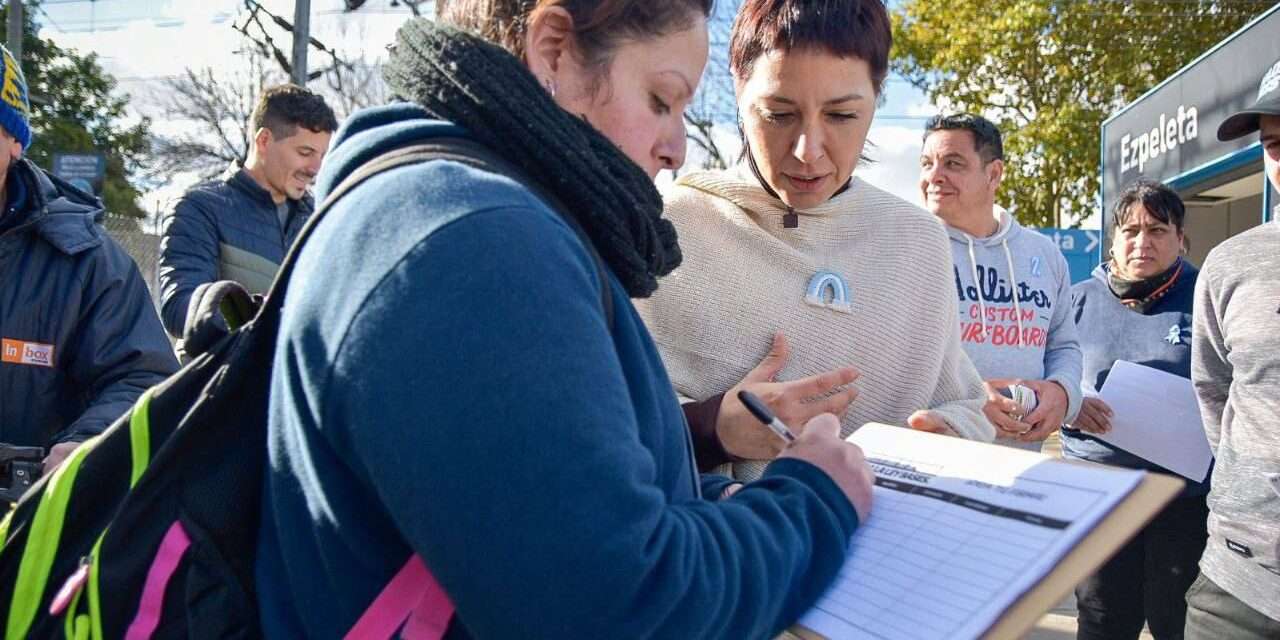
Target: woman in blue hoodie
(449, 386)
(1137, 307)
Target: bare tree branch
(701, 131)
(214, 110)
(415, 6)
(218, 106)
(349, 86)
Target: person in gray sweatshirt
(1013, 284)
(1137, 307)
(1235, 365)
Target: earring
(550, 86)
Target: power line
(49, 18)
(117, 24)
(120, 21)
(160, 78)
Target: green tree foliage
(1048, 72)
(74, 110)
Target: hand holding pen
(820, 445)
(762, 413)
(795, 402)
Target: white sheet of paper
(1157, 418)
(958, 532)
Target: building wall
(1208, 226)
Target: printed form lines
(909, 623)
(907, 545)
(947, 566)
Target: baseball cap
(1268, 103)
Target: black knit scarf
(1140, 295)
(466, 80)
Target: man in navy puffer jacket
(81, 339)
(240, 226)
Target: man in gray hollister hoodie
(1013, 284)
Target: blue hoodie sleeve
(188, 257)
(714, 485)
(120, 348)
(481, 393)
(1063, 358)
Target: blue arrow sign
(1080, 247)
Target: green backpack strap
(140, 437)
(42, 543)
(4, 526)
(46, 526)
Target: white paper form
(958, 532)
(1157, 418)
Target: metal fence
(141, 240)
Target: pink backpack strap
(172, 548)
(412, 600)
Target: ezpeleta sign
(1169, 133)
(1173, 130)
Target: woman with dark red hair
(791, 241)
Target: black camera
(20, 467)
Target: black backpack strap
(460, 150)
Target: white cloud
(921, 108)
(167, 37)
(141, 44)
(170, 36)
(161, 45)
(896, 155)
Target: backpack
(150, 529)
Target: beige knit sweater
(745, 276)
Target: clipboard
(1117, 528)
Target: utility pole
(14, 36)
(301, 38)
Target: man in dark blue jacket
(81, 339)
(240, 225)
